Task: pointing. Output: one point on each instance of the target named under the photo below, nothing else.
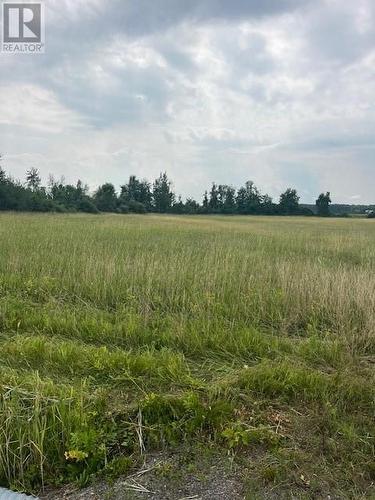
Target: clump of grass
(36, 420)
(297, 382)
(103, 365)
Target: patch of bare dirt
(164, 478)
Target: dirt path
(162, 478)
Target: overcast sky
(281, 92)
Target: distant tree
(266, 200)
(227, 199)
(322, 204)
(81, 199)
(130, 190)
(221, 191)
(13, 196)
(138, 196)
(38, 201)
(241, 201)
(86, 205)
(178, 206)
(136, 191)
(4, 188)
(105, 198)
(249, 199)
(268, 207)
(57, 190)
(145, 194)
(205, 202)
(191, 206)
(163, 195)
(136, 207)
(67, 197)
(214, 201)
(289, 202)
(3, 175)
(81, 189)
(33, 179)
(254, 197)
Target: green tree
(241, 201)
(289, 202)
(178, 206)
(162, 193)
(134, 193)
(105, 198)
(248, 199)
(191, 206)
(322, 204)
(253, 198)
(267, 205)
(144, 194)
(3, 175)
(4, 189)
(69, 197)
(205, 202)
(214, 202)
(33, 179)
(227, 199)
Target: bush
(136, 207)
(60, 209)
(86, 205)
(123, 209)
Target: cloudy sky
(281, 92)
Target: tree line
(141, 196)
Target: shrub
(86, 205)
(136, 207)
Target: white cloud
(32, 107)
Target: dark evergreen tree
(241, 203)
(145, 194)
(163, 196)
(205, 202)
(178, 206)
(214, 202)
(4, 189)
(3, 175)
(227, 199)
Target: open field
(122, 335)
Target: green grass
(121, 334)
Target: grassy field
(126, 334)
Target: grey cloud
(342, 32)
(280, 91)
(77, 42)
(144, 17)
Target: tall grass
(99, 314)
